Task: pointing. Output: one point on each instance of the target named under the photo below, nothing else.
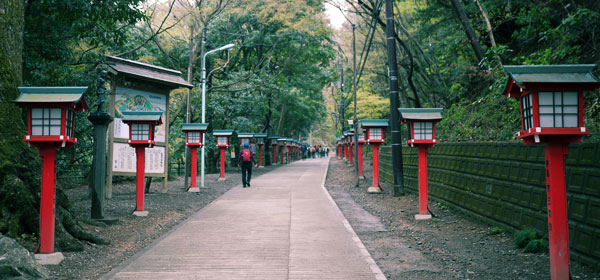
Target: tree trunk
(466, 24)
(19, 164)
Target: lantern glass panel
(375, 134)
(527, 111)
(361, 137)
(222, 140)
(194, 137)
(558, 109)
(423, 130)
(46, 121)
(140, 131)
(70, 123)
(259, 140)
(245, 141)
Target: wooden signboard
(137, 86)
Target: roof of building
(194, 126)
(245, 135)
(222, 132)
(148, 116)
(146, 71)
(72, 95)
(374, 122)
(429, 114)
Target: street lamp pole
(354, 121)
(228, 46)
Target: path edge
(375, 269)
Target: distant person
(245, 161)
(303, 150)
(327, 151)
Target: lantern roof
(260, 135)
(274, 137)
(345, 133)
(374, 122)
(564, 74)
(143, 116)
(65, 95)
(223, 132)
(421, 114)
(144, 71)
(194, 126)
(245, 135)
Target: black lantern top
(374, 129)
(141, 126)
(50, 113)
(274, 139)
(551, 100)
(193, 133)
(421, 123)
(222, 137)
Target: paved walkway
(286, 226)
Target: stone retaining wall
(503, 184)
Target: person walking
(245, 161)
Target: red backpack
(246, 155)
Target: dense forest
(282, 76)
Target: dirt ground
(131, 234)
(449, 246)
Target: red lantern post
(374, 129)
(350, 146)
(260, 141)
(50, 125)
(141, 135)
(551, 99)
(274, 146)
(361, 142)
(281, 142)
(193, 139)
(222, 137)
(421, 126)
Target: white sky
(335, 15)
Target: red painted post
(48, 199)
(193, 149)
(274, 154)
(376, 165)
(339, 151)
(423, 179)
(222, 151)
(346, 151)
(558, 227)
(288, 155)
(281, 154)
(260, 149)
(139, 185)
(351, 154)
(360, 161)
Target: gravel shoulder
(132, 234)
(449, 246)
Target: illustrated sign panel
(127, 99)
(124, 159)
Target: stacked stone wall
(503, 184)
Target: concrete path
(286, 226)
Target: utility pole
(202, 44)
(354, 120)
(398, 175)
(341, 86)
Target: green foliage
(495, 230)
(531, 241)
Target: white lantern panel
(222, 140)
(194, 137)
(558, 109)
(527, 111)
(245, 141)
(46, 121)
(423, 130)
(70, 123)
(375, 133)
(361, 137)
(259, 140)
(140, 131)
